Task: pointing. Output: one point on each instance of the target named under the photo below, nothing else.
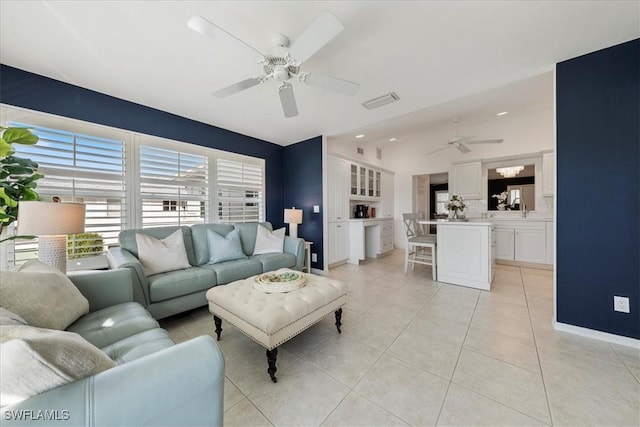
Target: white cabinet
(338, 189)
(465, 180)
(338, 242)
(524, 241)
(530, 245)
(386, 205)
(464, 255)
(550, 255)
(504, 238)
(369, 238)
(548, 174)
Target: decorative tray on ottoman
(283, 280)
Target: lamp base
(52, 250)
(293, 230)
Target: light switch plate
(316, 208)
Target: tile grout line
(535, 343)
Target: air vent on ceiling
(360, 150)
(380, 101)
(379, 153)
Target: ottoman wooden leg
(272, 355)
(218, 323)
(338, 317)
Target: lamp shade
(293, 216)
(47, 218)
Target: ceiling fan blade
(344, 87)
(462, 148)
(320, 32)
(485, 141)
(207, 28)
(288, 100)
(438, 150)
(237, 87)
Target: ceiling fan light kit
(285, 62)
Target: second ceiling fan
(284, 63)
(461, 142)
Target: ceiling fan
(285, 61)
(461, 142)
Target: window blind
(240, 191)
(173, 187)
(84, 169)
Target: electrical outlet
(314, 257)
(621, 304)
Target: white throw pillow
(35, 360)
(224, 248)
(162, 255)
(42, 295)
(268, 242)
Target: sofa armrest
(180, 385)
(122, 258)
(104, 288)
(295, 246)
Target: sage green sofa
(153, 381)
(173, 292)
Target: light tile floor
(417, 352)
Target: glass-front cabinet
(370, 185)
(354, 180)
(362, 181)
(376, 183)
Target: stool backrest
(411, 226)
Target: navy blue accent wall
(598, 189)
(35, 92)
(303, 189)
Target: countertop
(478, 222)
(368, 219)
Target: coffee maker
(362, 211)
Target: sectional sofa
(211, 262)
(78, 351)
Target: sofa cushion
(162, 255)
(230, 271)
(42, 295)
(138, 345)
(127, 239)
(8, 318)
(248, 232)
(271, 262)
(178, 283)
(268, 241)
(224, 248)
(201, 241)
(35, 360)
(114, 323)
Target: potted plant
(18, 176)
(456, 205)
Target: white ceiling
(430, 53)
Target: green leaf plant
(18, 176)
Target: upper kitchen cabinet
(338, 183)
(465, 180)
(365, 183)
(548, 174)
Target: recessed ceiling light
(503, 113)
(391, 139)
(360, 136)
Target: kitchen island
(465, 252)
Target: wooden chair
(418, 244)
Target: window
(79, 168)
(131, 180)
(174, 187)
(442, 199)
(240, 191)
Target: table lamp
(51, 222)
(293, 217)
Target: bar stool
(417, 245)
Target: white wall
(528, 132)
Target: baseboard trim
(524, 264)
(598, 335)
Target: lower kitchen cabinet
(338, 242)
(524, 241)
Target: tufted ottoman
(272, 319)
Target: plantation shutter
(173, 187)
(240, 191)
(83, 169)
